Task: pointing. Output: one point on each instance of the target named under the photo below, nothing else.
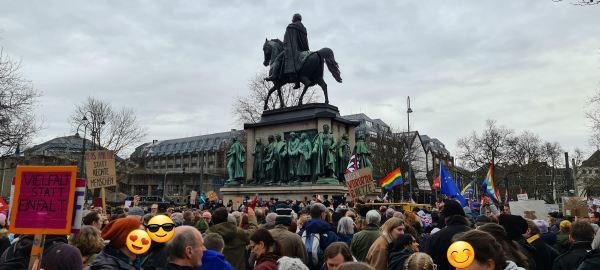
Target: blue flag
(467, 192)
(448, 186)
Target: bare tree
(581, 2)
(491, 146)
(18, 100)
(249, 108)
(121, 130)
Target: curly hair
(419, 261)
(361, 223)
(88, 241)
(411, 218)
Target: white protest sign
(127, 203)
(552, 208)
(529, 209)
(522, 197)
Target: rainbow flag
(488, 185)
(393, 179)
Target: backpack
(20, 262)
(312, 242)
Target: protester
(236, 239)
(361, 220)
(591, 261)
(188, 217)
(547, 236)
(136, 212)
(287, 263)
(185, 249)
(244, 224)
(335, 255)
(482, 220)
(509, 247)
(213, 256)
(270, 222)
(488, 252)
(202, 224)
(4, 235)
(363, 240)
(291, 242)
(154, 209)
(147, 218)
(116, 255)
(404, 247)
(93, 219)
(506, 209)
(562, 239)
(378, 254)
(414, 221)
(595, 218)
(207, 216)
(515, 227)
(556, 227)
(420, 261)
(435, 218)
(582, 235)
(544, 255)
(345, 230)
(317, 226)
(354, 266)
(301, 222)
(266, 249)
(89, 243)
(59, 255)
(487, 208)
(438, 244)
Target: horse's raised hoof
(327, 101)
(297, 85)
(300, 103)
(265, 108)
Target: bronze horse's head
(271, 49)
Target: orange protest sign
(212, 195)
(43, 201)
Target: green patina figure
(293, 146)
(258, 172)
(270, 160)
(282, 159)
(304, 155)
(363, 153)
(236, 161)
(344, 152)
(324, 149)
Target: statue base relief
(292, 192)
(328, 181)
(233, 183)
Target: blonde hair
(399, 215)
(419, 261)
(302, 220)
(390, 225)
(361, 223)
(411, 218)
(351, 215)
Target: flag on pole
(498, 195)
(378, 198)
(488, 185)
(385, 198)
(353, 164)
(521, 192)
(467, 192)
(506, 196)
(481, 201)
(391, 180)
(448, 186)
(436, 183)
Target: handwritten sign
(43, 200)
(193, 197)
(237, 202)
(522, 197)
(360, 183)
(529, 209)
(596, 202)
(100, 169)
(78, 206)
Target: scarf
(533, 238)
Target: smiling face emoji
(138, 241)
(461, 254)
(160, 228)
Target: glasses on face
(206, 218)
(167, 227)
(154, 208)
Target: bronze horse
(310, 74)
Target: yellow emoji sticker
(461, 254)
(160, 228)
(138, 241)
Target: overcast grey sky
(527, 64)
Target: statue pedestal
(308, 118)
(292, 192)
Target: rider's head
(297, 18)
(278, 137)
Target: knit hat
(135, 211)
(565, 226)
(363, 211)
(117, 230)
(453, 207)
(284, 215)
(202, 225)
(382, 210)
(435, 216)
(483, 219)
(291, 264)
(559, 215)
(542, 225)
(515, 226)
(271, 217)
(2, 220)
(476, 205)
(162, 207)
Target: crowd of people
(317, 234)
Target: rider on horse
(295, 41)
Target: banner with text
(100, 169)
(44, 200)
(360, 183)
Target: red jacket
(267, 262)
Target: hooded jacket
(106, 261)
(267, 262)
(291, 243)
(236, 239)
(322, 227)
(573, 257)
(4, 241)
(438, 244)
(362, 241)
(512, 266)
(398, 259)
(214, 260)
(542, 255)
(61, 257)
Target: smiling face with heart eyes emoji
(461, 254)
(138, 241)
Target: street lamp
(164, 183)
(408, 112)
(85, 124)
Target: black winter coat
(438, 244)
(591, 261)
(573, 257)
(542, 255)
(529, 251)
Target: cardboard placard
(360, 182)
(529, 209)
(44, 198)
(237, 201)
(575, 206)
(193, 197)
(78, 206)
(100, 169)
(522, 197)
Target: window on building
(192, 144)
(190, 188)
(186, 160)
(373, 134)
(154, 191)
(176, 146)
(373, 145)
(217, 141)
(163, 162)
(175, 190)
(141, 190)
(156, 163)
(178, 161)
(170, 162)
(369, 124)
(111, 189)
(548, 173)
(162, 147)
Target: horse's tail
(332, 65)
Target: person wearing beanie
(516, 227)
(269, 221)
(562, 239)
(291, 242)
(236, 239)
(549, 237)
(435, 219)
(482, 220)
(116, 255)
(582, 236)
(437, 246)
(361, 220)
(137, 213)
(556, 227)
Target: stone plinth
(308, 118)
(289, 192)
